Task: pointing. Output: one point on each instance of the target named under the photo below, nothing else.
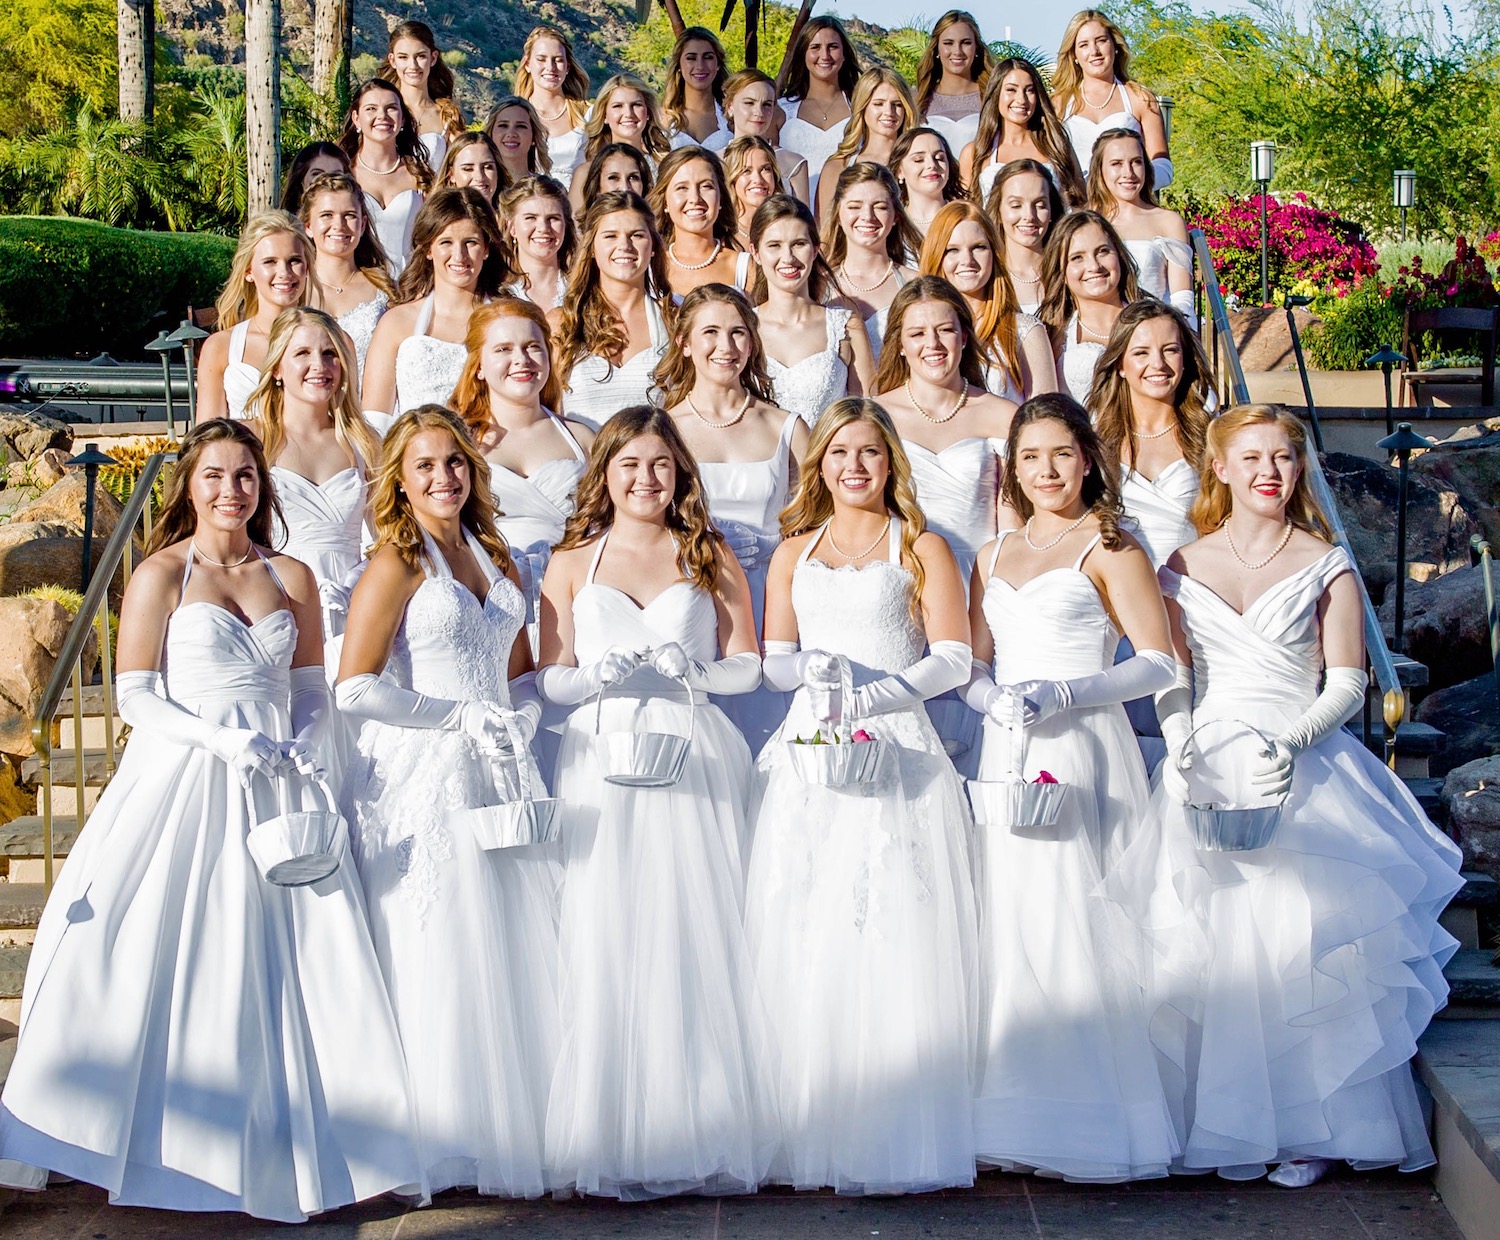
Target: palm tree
(263, 101)
(136, 41)
(213, 142)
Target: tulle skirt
(1068, 1083)
(663, 1083)
(467, 940)
(192, 1037)
(860, 915)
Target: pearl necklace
(1286, 537)
(719, 426)
(962, 401)
(220, 563)
(890, 270)
(1015, 279)
(1089, 331)
(380, 172)
(707, 262)
(1099, 107)
(1026, 533)
(1155, 434)
(833, 542)
(560, 113)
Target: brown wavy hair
(178, 520)
(797, 76)
(1045, 127)
(445, 208)
(953, 188)
(857, 133)
(1100, 199)
(589, 324)
(930, 71)
(1101, 485)
(1058, 306)
(1214, 503)
(513, 196)
(595, 171)
(995, 327)
(811, 504)
(369, 255)
(698, 542)
(674, 93)
(538, 158)
(903, 239)
(675, 374)
(1009, 172)
(737, 159)
(893, 370)
(439, 76)
(294, 186)
(596, 133)
(726, 223)
(239, 300)
(820, 281)
(472, 137)
(471, 395)
(394, 522)
(1067, 78)
(1110, 400)
(409, 148)
(575, 86)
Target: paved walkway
(1384, 1206)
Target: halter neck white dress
(860, 915)
(956, 117)
(597, 390)
(192, 1037)
(809, 386)
(1083, 132)
(663, 1085)
(240, 377)
(721, 137)
(1079, 358)
(360, 324)
(427, 369)
(564, 149)
(813, 144)
(393, 225)
(1068, 1083)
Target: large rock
(63, 502)
(32, 632)
(1446, 626)
(25, 434)
(1469, 464)
(45, 553)
(1438, 525)
(1468, 715)
(1262, 337)
(1472, 794)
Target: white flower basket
(524, 820)
(1233, 828)
(1012, 803)
(643, 759)
(845, 764)
(299, 847)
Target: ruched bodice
(324, 520)
(1052, 627)
(213, 657)
(958, 488)
(533, 508)
(1159, 508)
(240, 377)
(427, 369)
(393, 224)
(598, 390)
(605, 617)
(813, 144)
(809, 386)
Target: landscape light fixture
(1262, 170)
(1404, 193)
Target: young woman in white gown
(951, 78)
(192, 1037)
(882, 110)
(1018, 122)
(550, 78)
(860, 910)
(692, 98)
(1067, 1084)
(715, 386)
(925, 169)
(1025, 205)
(696, 218)
(536, 218)
(473, 162)
(314, 160)
(458, 262)
(354, 275)
(1122, 190)
(750, 108)
(272, 270)
(663, 1083)
(752, 178)
(391, 165)
(824, 68)
(437, 666)
(520, 138)
(625, 110)
(868, 241)
(1292, 982)
(1089, 277)
(963, 248)
(612, 330)
(414, 63)
(800, 310)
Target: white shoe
(1300, 1172)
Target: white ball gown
(192, 1037)
(1293, 981)
(467, 939)
(323, 527)
(663, 1082)
(1068, 1084)
(427, 369)
(809, 386)
(860, 915)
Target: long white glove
(1343, 693)
(1182, 302)
(1145, 672)
(984, 696)
(142, 702)
(531, 566)
(568, 686)
(312, 711)
(945, 666)
(739, 673)
(1162, 167)
(525, 706)
(1174, 711)
(751, 548)
(786, 668)
(367, 696)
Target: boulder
(1438, 525)
(45, 553)
(1472, 794)
(32, 632)
(1447, 626)
(63, 502)
(1468, 715)
(1470, 465)
(49, 468)
(25, 434)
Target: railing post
(1480, 553)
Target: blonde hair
(239, 300)
(395, 523)
(740, 81)
(674, 94)
(267, 403)
(892, 368)
(675, 374)
(1067, 78)
(596, 134)
(471, 397)
(930, 71)
(995, 327)
(857, 133)
(575, 86)
(1214, 503)
(538, 158)
(737, 159)
(369, 254)
(460, 144)
(903, 239)
(811, 504)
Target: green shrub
(76, 287)
(1353, 327)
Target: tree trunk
(333, 47)
(803, 13)
(263, 101)
(674, 15)
(136, 42)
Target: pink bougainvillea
(1304, 243)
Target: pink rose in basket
(1045, 777)
(861, 737)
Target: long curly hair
(953, 188)
(675, 374)
(294, 185)
(409, 148)
(594, 174)
(857, 132)
(903, 239)
(445, 208)
(369, 255)
(1067, 78)
(395, 523)
(575, 86)
(674, 93)
(266, 406)
(726, 222)
(820, 281)
(687, 516)
(538, 158)
(589, 324)
(1058, 306)
(439, 76)
(1110, 399)
(1100, 199)
(1045, 127)
(995, 324)
(798, 76)
(930, 70)
(892, 370)
(239, 300)
(655, 141)
(1101, 485)
(471, 395)
(1214, 503)
(179, 520)
(811, 504)
(457, 147)
(513, 196)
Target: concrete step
(13, 969)
(1456, 1061)
(65, 767)
(1470, 916)
(21, 905)
(1473, 985)
(23, 837)
(1429, 793)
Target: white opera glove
(525, 712)
(945, 666)
(784, 664)
(143, 704)
(1161, 166)
(984, 696)
(367, 696)
(1174, 711)
(751, 548)
(1182, 302)
(312, 712)
(1343, 693)
(738, 673)
(568, 686)
(531, 566)
(1145, 672)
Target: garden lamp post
(1385, 358)
(187, 336)
(1166, 103)
(163, 345)
(1402, 443)
(89, 460)
(1262, 169)
(1404, 193)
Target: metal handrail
(93, 615)
(1382, 665)
(1480, 553)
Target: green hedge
(76, 288)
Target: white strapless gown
(1083, 132)
(1292, 982)
(467, 939)
(860, 915)
(813, 144)
(360, 324)
(809, 386)
(663, 1084)
(1079, 358)
(393, 224)
(1158, 508)
(193, 1038)
(240, 377)
(324, 528)
(1068, 1081)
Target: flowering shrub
(1464, 281)
(1305, 246)
(1490, 246)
